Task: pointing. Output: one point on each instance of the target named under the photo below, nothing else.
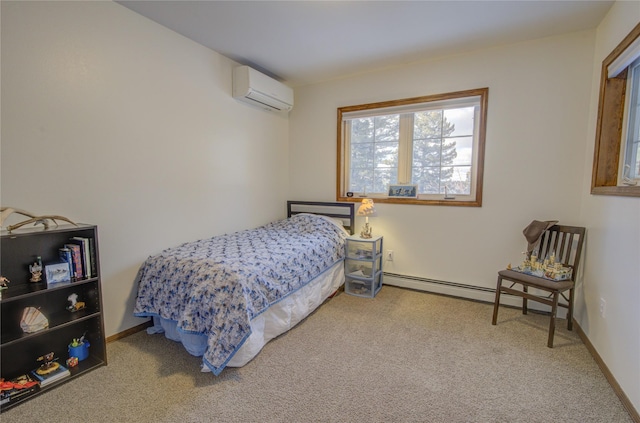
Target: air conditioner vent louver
(268, 101)
(258, 89)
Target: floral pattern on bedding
(216, 286)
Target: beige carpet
(403, 356)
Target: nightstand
(363, 266)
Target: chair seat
(531, 280)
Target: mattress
(273, 322)
(217, 288)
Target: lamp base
(366, 231)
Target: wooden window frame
(606, 158)
(475, 201)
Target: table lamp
(366, 209)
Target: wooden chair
(566, 242)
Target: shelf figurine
(36, 270)
(48, 364)
(33, 320)
(75, 304)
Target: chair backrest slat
(555, 244)
(561, 252)
(569, 239)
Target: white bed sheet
(276, 320)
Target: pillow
(336, 221)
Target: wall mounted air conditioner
(258, 89)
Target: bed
(225, 297)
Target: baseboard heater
(461, 290)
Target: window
(435, 143)
(616, 158)
(630, 159)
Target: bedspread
(216, 286)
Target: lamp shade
(367, 208)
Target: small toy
(4, 282)
(72, 361)
(75, 304)
(36, 270)
(77, 342)
(48, 364)
(21, 382)
(548, 268)
(79, 348)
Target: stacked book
(48, 376)
(80, 255)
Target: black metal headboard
(342, 211)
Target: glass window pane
(448, 153)
(464, 150)
(459, 181)
(631, 168)
(383, 177)
(637, 164)
(446, 173)
(427, 124)
(362, 155)
(386, 154)
(427, 179)
(361, 130)
(426, 152)
(460, 120)
(387, 128)
(361, 179)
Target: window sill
(617, 190)
(415, 201)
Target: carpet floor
(404, 356)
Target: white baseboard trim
(459, 290)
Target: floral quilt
(216, 286)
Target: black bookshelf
(19, 350)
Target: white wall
(612, 261)
(111, 119)
(536, 127)
(539, 154)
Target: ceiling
(305, 42)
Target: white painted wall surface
(612, 261)
(539, 155)
(111, 119)
(536, 127)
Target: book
(87, 257)
(92, 257)
(76, 259)
(65, 256)
(47, 378)
(85, 254)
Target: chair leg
(570, 310)
(552, 323)
(525, 309)
(497, 301)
